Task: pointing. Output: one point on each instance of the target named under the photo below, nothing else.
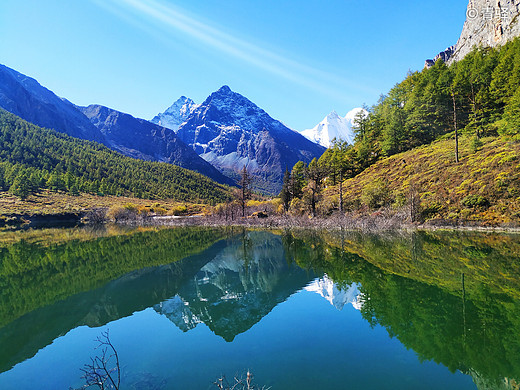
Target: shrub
(123, 213)
(399, 200)
(182, 209)
(297, 207)
(130, 207)
(475, 144)
(375, 194)
(475, 201)
(430, 209)
(160, 211)
(328, 205)
(141, 210)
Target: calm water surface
(301, 310)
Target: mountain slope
(26, 98)
(137, 138)
(333, 126)
(176, 114)
(141, 139)
(483, 187)
(47, 159)
(231, 132)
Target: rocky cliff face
(443, 55)
(489, 23)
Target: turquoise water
(297, 311)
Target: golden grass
(491, 172)
(47, 202)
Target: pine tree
(298, 179)
(315, 175)
(360, 124)
(244, 193)
(340, 166)
(35, 181)
(285, 194)
(21, 186)
(55, 182)
(94, 187)
(74, 191)
(510, 124)
(2, 179)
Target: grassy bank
(48, 203)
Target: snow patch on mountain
(176, 114)
(334, 126)
(335, 296)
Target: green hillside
(33, 158)
(483, 186)
(444, 143)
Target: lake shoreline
(364, 224)
(376, 222)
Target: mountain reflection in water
(238, 287)
(454, 298)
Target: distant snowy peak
(336, 297)
(176, 114)
(333, 126)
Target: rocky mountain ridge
(230, 132)
(132, 137)
(26, 98)
(139, 138)
(443, 55)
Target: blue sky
(298, 60)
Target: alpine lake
(299, 309)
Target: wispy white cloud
(173, 18)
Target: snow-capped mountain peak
(333, 126)
(176, 114)
(230, 132)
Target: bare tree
(239, 383)
(103, 371)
